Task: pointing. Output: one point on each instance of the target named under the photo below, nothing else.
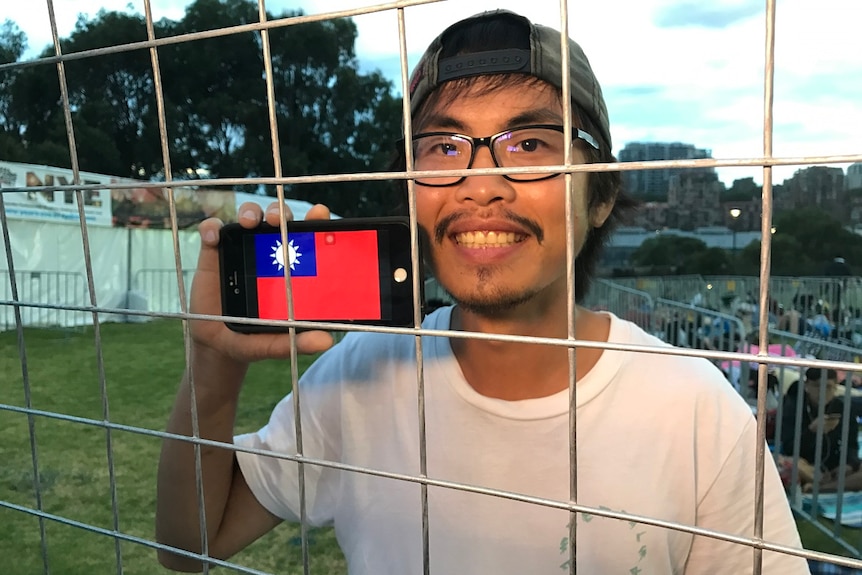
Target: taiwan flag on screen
(334, 275)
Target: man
(826, 427)
(658, 436)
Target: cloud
(638, 91)
(706, 14)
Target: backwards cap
(543, 60)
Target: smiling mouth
(488, 239)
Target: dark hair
(815, 374)
(603, 187)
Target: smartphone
(354, 270)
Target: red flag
(346, 285)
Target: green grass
(815, 539)
(143, 364)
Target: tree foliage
(806, 240)
(13, 43)
(680, 254)
(330, 117)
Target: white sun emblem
(278, 255)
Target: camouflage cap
(543, 60)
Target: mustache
(442, 227)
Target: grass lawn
(142, 364)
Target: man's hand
(829, 421)
(206, 298)
(219, 361)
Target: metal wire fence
(15, 301)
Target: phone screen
(343, 270)
(333, 274)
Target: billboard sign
(54, 205)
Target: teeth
(489, 239)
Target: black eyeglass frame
(488, 141)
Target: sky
(672, 70)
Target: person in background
(827, 426)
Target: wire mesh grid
(124, 543)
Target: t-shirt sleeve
(728, 507)
(273, 477)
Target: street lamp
(734, 213)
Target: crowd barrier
(624, 301)
(58, 289)
(686, 325)
(156, 290)
(801, 293)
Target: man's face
(812, 389)
(493, 243)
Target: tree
(710, 261)
(804, 241)
(110, 96)
(330, 117)
(13, 42)
(670, 251)
(788, 257)
(743, 189)
(821, 236)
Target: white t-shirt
(660, 436)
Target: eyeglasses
(537, 145)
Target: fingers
(318, 212)
(249, 215)
(313, 341)
(209, 232)
(259, 346)
(273, 214)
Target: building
(651, 216)
(657, 182)
(819, 186)
(694, 199)
(853, 180)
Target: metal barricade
(702, 328)
(720, 289)
(806, 294)
(626, 302)
(686, 325)
(159, 288)
(825, 500)
(818, 496)
(54, 288)
(681, 288)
